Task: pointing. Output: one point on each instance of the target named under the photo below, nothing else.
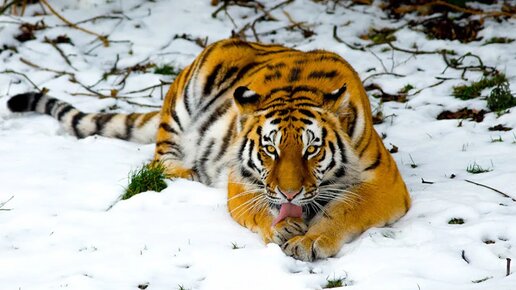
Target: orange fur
(378, 197)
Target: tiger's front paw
(286, 229)
(309, 248)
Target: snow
(57, 231)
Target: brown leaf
(500, 127)
(394, 149)
(465, 113)
(386, 97)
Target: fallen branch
(493, 189)
(60, 73)
(410, 8)
(4, 203)
(102, 38)
(381, 74)
(340, 40)
(9, 71)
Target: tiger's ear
(246, 100)
(334, 100)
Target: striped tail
(134, 127)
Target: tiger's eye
(270, 149)
(311, 149)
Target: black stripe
(361, 153)
(269, 52)
(250, 161)
(167, 128)
(35, 101)
(287, 89)
(270, 114)
(276, 66)
(226, 139)
(129, 124)
(305, 89)
(236, 43)
(63, 111)
(49, 106)
(219, 112)
(177, 155)
(75, 123)
(301, 98)
(229, 73)
(259, 131)
(195, 74)
(351, 126)
(342, 149)
(210, 80)
(341, 171)
(170, 145)
(319, 74)
(332, 162)
(376, 162)
(274, 76)
(276, 121)
(101, 120)
(306, 121)
(307, 113)
(332, 59)
(243, 71)
(294, 74)
(201, 162)
(176, 119)
(245, 173)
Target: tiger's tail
(136, 127)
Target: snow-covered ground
(56, 231)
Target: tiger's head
(294, 148)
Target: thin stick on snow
(4, 203)
(29, 63)
(508, 267)
(9, 71)
(102, 38)
(493, 189)
(463, 255)
(61, 52)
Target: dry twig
(102, 38)
(493, 189)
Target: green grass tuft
(476, 169)
(498, 40)
(501, 98)
(494, 140)
(379, 36)
(456, 221)
(334, 283)
(406, 89)
(235, 246)
(166, 70)
(467, 92)
(147, 177)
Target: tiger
(288, 132)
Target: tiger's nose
(290, 194)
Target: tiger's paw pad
(287, 229)
(306, 248)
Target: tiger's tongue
(288, 210)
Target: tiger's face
(299, 156)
